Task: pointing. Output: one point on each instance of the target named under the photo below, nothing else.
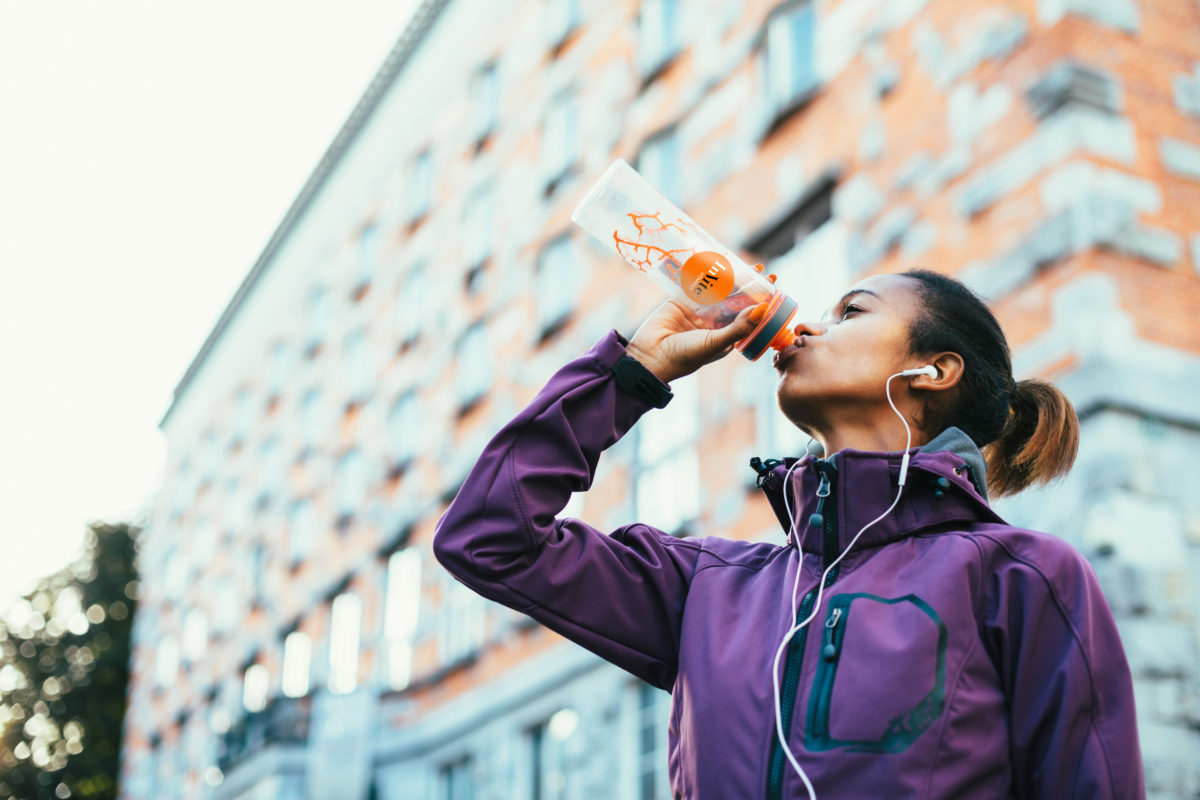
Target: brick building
(296, 639)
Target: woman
(950, 655)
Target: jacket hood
(946, 484)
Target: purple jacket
(953, 655)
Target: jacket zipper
(827, 522)
(831, 648)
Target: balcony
(285, 721)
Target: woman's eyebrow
(853, 292)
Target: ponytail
(1028, 431)
(1039, 441)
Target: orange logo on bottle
(706, 278)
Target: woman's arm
(620, 596)
(1072, 727)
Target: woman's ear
(949, 368)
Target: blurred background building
(296, 639)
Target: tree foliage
(64, 668)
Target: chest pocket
(881, 675)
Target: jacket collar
(946, 484)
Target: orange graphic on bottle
(706, 278)
(645, 255)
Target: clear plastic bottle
(668, 247)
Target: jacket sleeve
(620, 595)
(1072, 727)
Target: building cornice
(401, 53)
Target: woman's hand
(672, 341)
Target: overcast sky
(147, 152)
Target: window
(272, 470)
(166, 662)
(243, 415)
(344, 630)
(820, 264)
(210, 457)
(791, 56)
(667, 480)
(195, 635)
(204, 542)
(457, 780)
(557, 285)
(313, 418)
(477, 230)
(255, 685)
(184, 489)
(783, 234)
(280, 369)
(239, 506)
(412, 305)
(658, 38)
(653, 710)
(485, 104)
(421, 186)
(460, 627)
(368, 256)
(359, 371)
(551, 776)
(297, 653)
(660, 163)
(225, 605)
(562, 18)
(400, 614)
(320, 317)
(302, 530)
(560, 148)
(404, 427)
(175, 575)
(258, 572)
(350, 484)
(474, 372)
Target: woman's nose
(810, 329)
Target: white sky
(147, 152)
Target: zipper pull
(817, 520)
(829, 649)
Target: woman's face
(834, 375)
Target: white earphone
(927, 370)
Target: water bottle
(668, 247)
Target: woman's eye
(850, 309)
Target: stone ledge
(1094, 221)
(1179, 157)
(1120, 14)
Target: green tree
(64, 669)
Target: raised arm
(619, 595)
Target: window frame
(345, 643)
(783, 104)
(421, 182)
(298, 652)
(652, 62)
(401, 614)
(671, 453)
(556, 289)
(560, 139)
(668, 181)
(470, 392)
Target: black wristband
(633, 377)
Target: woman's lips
(785, 355)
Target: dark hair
(1028, 429)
